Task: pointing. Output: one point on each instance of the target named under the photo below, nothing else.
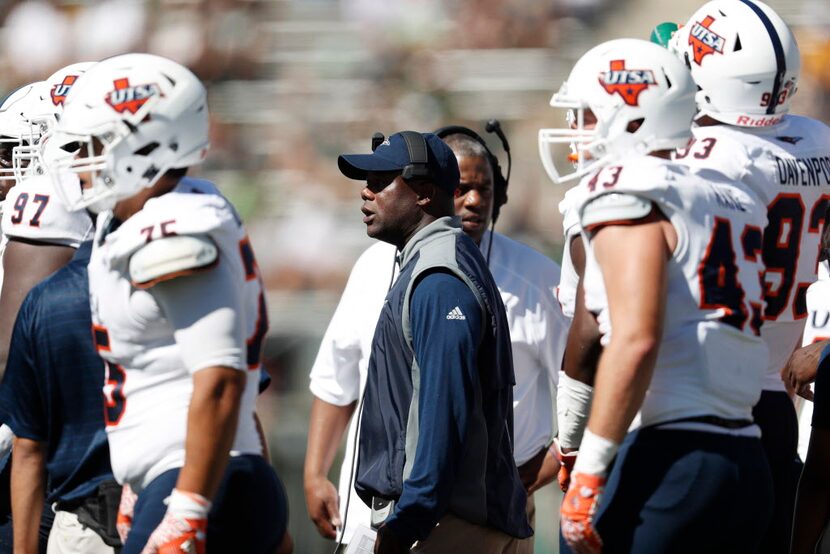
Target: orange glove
(566, 465)
(578, 512)
(184, 527)
(124, 519)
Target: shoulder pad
(614, 207)
(172, 214)
(569, 207)
(170, 257)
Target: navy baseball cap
(395, 154)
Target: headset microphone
(493, 126)
(377, 140)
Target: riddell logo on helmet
(59, 91)
(746, 121)
(628, 83)
(705, 41)
(130, 98)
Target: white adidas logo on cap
(456, 313)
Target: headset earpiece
(499, 181)
(418, 156)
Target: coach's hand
(539, 470)
(387, 542)
(566, 464)
(578, 512)
(321, 499)
(184, 527)
(124, 519)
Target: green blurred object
(663, 32)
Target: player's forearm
(583, 348)
(211, 427)
(28, 478)
(635, 281)
(579, 367)
(623, 377)
(327, 424)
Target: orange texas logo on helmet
(60, 90)
(628, 83)
(704, 41)
(130, 98)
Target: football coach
(435, 454)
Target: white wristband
(595, 454)
(188, 505)
(573, 404)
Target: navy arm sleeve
(446, 323)
(21, 396)
(821, 396)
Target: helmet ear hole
(738, 45)
(634, 125)
(147, 149)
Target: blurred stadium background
(293, 83)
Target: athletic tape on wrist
(188, 505)
(573, 404)
(595, 454)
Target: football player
(42, 233)
(672, 275)
(44, 240)
(745, 61)
(178, 311)
(575, 390)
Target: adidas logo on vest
(455, 313)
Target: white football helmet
(641, 95)
(40, 122)
(745, 60)
(15, 132)
(129, 119)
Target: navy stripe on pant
(249, 513)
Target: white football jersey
(569, 279)
(711, 358)
(148, 384)
(788, 165)
(33, 211)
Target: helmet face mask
(26, 157)
(745, 60)
(128, 121)
(84, 156)
(27, 117)
(16, 133)
(7, 147)
(641, 96)
(579, 138)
